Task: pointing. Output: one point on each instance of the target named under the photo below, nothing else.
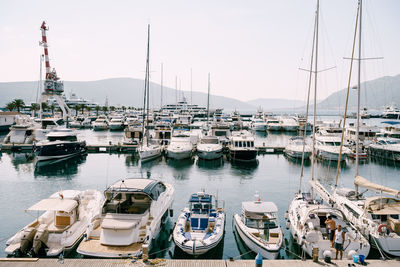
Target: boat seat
(213, 214)
(196, 211)
(194, 223)
(273, 238)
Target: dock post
(259, 260)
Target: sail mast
(208, 101)
(148, 83)
(358, 91)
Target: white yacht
(209, 148)
(273, 124)
(376, 217)
(116, 124)
(366, 135)
(385, 148)
(131, 219)
(181, 146)
(328, 147)
(201, 226)
(258, 227)
(100, 124)
(289, 124)
(59, 229)
(295, 148)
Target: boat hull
(209, 155)
(243, 155)
(59, 151)
(251, 244)
(184, 154)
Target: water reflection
(161, 246)
(19, 160)
(297, 161)
(245, 252)
(181, 163)
(210, 164)
(131, 160)
(57, 168)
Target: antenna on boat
(161, 89)
(208, 101)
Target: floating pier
(25, 262)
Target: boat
(258, 121)
(241, 146)
(209, 148)
(100, 124)
(201, 226)
(132, 215)
(391, 112)
(116, 124)
(289, 124)
(59, 229)
(258, 227)
(328, 147)
(273, 124)
(385, 148)
(377, 217)
(60, 143)
(306, 220)
(295, 148)
(181, 146)
(366, 134)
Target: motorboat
(259, 125)
(258, 227)
(220, 129)
(328, 147)
(163, 132)
(295, 148)
(385, 148)
(377, 217)
(100, 124)
(133, 134)
(59, 229)
(201, 226)
(289, 124)
(132, 216)
(366, 135)
(241, 146)
(273, 124)
(181, 146)
(60, 143)
(306, 220)
(116, 124)
(391, 112)
(209, 148)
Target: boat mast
(191, 87)
(307, 108)
(358, 91)
(148, 83)
(208, 101)
(161, 89)
(315, 96)
(145, 86)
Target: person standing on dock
(339, 240)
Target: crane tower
(53, 87)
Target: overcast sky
(253, 49)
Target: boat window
(62, 138)
(395, 216)
(249, 144)
(261, 224)
(209, 141)
(244, 144)
(240, 144)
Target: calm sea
(275, 178)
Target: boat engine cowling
(27, 239)
(41, 237)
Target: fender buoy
(380, 227)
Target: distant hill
(129, 92)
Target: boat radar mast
(53, 87)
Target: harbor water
(274, 177)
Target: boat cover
(360, 181)
(55, 204)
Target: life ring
(380, 227)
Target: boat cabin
(384, 210)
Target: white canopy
(55, 204)
(360, 181)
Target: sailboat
(209, 147)
(376, 217)
(307, 214)
(149, 149)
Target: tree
(52, 107)
(123, 108)
(97, 108)
(112, 108)
(10, 106)
(44, 106)
(35, 107)
(19, 103)
(77, 108)
(105, 109)
(82, 107)
(88, 108)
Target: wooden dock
(27, 262)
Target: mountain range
(129, 92)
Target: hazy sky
(253, 49)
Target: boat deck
(94, 246)
(25, 262)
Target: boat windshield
(126, 203)
(209, 141)
(262, 223)
(62, 138)
(332, 143)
